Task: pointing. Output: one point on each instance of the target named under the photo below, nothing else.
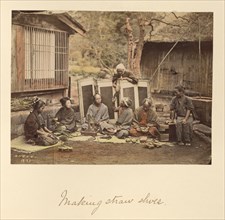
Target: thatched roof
(165, 36)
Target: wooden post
(199, 56)
(69, 87)
(20, 58)
(13, 60)
(158, 78)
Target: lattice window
(46, 58)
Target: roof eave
(71, 23)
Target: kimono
(124, 121)
(67, 119)
(127, 74)
(180, 106)
(145, 123)
(145, 117)
(99, 115)
(126, 116)
(33, 123)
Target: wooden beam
(20, 58)
(13, 60)
(70, 24)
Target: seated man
(181, 107)
(97, 112)
(65, 117)
(125, 118)
(145, 120)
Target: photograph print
(107, 87)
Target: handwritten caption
(66, 200)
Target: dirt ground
(90, 152)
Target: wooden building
(188, 63)
(40, 42)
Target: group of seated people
(141, 121)
(35, 129)
(128, 122)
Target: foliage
(190, 27)
(21, 104)
(77, 70)
(107, 42)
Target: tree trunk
(139, 48)
(130, 45)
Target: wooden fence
(181, 66)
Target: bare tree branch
(164, 16)
(104, 65)
(179, 17)
(167, 23)
(152, 29)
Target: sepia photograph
(111, 87)
(112, 109)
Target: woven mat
(114, 139)
(19, 144)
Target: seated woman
(66, 116)
(145, 120)
(34, 128)
(125, 117)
